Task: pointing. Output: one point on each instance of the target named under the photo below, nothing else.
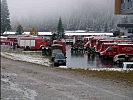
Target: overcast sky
(48, 8)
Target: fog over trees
(95, 15)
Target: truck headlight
(101, 53)
(56, 60)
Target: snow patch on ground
(26, 93)
(8, 74)
(100, 69)
(28, 58)
(111, 69)
(107, 69)
(63, 67)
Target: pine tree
(5, 20)
(19, 30)
(60, 29)
(54, 36)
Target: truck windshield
(57, 51)
(59, 56)
(98, 42)
(129, 65)
(109, 49)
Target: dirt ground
(28, 81)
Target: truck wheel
(42, 47)
(105, 57)
(55, 64)
(17, 46)
(64, 64)
(27, 48)
(117, 61)
(47, 53)
(52, 59)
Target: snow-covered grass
(37, 59)
(110, 69)
(23, 52)
(100, 69)
(63, 67)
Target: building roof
(125, 25)
(26, 33)
(3, 37)
(9, 33)
(66, 33)
(70, 34)
(45, 33)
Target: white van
(127, 65)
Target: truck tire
(17, 46)
(52, 59)
(27, 48)
(42, 47)
(55, 65)
(117, 61)
(64, 64)
(47, 53)
(105, 57)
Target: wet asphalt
(87, 60)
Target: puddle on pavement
(87, 61)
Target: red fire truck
(91, 42)
(13, 40)
(32, 43)
(101, 42)
(63, 46)
(118, 49)
(4, 40)
(124, 41)
(104, 46)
